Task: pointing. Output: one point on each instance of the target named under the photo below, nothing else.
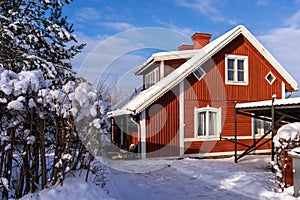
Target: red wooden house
(188, 99)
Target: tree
(35, 35)
(43, 105)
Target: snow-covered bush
(287, 138)
(44, 130)
(44, 107)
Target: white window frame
(151, 78)
(218, 122)
(200, 71)
(274, 78)
(236, 58)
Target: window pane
(201, 124)
(230, 75)
(146, 81)
(240, 64)
(230, 63)
(261, 126)
(267, 125)
(240, 75)
(198, 73)
(151, 79)
(212, 123)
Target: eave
(172, 55)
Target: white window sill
(236, 83)
(201, 139)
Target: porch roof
(287, 110)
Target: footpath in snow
(205, 179)
(251, 178)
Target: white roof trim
(146, 97)
(270, 58)
(118, 112)
(171, 55)
(268, 103)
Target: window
(270, 78)
(199, 73)
(207, 122)
(236, 69)
(151, 78)
(260, 126)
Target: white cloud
(207, 8)
(119, 26)
(294, 20)
(186, 31)
(87, 13)
(116, 55)
(284, 45)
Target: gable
(146, 97)
(257, 88)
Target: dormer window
(151, 78)
(236, 70)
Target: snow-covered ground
(74, 187)
(188, 178)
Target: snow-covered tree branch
(44, 107)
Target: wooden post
(235, 134)
(273, 125)
(113, 130)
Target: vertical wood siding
(162, 123)
(207, 92)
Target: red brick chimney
(185, 47)
(199, 41)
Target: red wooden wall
(162, 117)
(213, 91)
(162, 125)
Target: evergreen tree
(41, 98)
(35, 35)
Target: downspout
(139, 134)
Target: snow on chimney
(199, 41)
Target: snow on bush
(287, 138)
(37, 117)
(290, 133)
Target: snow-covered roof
(268, 103)
(146, 97)
(170, 55)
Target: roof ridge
(145, 98)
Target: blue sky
(102, 25)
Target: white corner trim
(122, 131)
(143, 134)
(181, 117)
(162, 70)
(282, 90)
